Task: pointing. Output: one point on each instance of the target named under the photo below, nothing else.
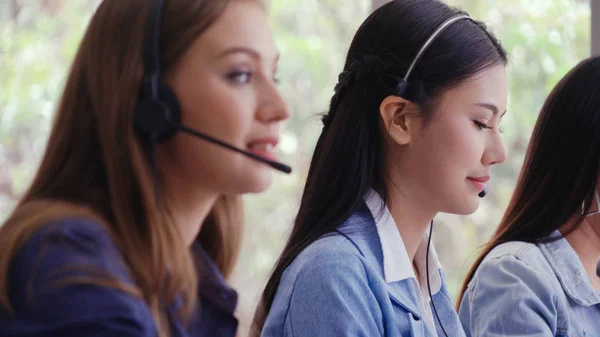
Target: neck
(412, 219)
(188, 207)
(585, 241)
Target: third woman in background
(537, 275)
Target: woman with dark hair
(537, 276)
(412, 130)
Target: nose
(495, 152)
(273, 107)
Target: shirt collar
(212, 285)
(396, 263)
(569, 270)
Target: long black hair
(348, 156)
(560, 172)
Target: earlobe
(398, 119)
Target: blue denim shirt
(355, 283)
(81, 248)
(524, 289)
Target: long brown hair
(94, 165)
(561, 166)
(347, 157)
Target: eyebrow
(491, 107)
(245, 50)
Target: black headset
(403, 89)
(157, 113)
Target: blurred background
(544, 38)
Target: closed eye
(481, 126)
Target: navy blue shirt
(76, 249)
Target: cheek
(456, 146)
(218, 110)
(228, 113)
(466, 144)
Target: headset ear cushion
(156, 118)
(171, 104)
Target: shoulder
(354, 247)
(68, 240)
(525, 254)
(331, 278)
(69, 247)
(332, 252)
(51, 227)
(69, 275)
(518, 249)
(329, 265)
(73, 230)
(515, 266)
(329, 281)
(513, 290)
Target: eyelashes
(482, 126)
(244, 77)
(239, 77)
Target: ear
(400, 119)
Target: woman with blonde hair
(131, 225)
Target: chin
(468, 206)
(254, 182)
(259, 188)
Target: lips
(479, 182)
(261, 147)
(483, 179)
(264, 147)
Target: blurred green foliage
(544, 38)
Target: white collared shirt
(396, 263)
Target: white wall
(376, 3)
(595, 26)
